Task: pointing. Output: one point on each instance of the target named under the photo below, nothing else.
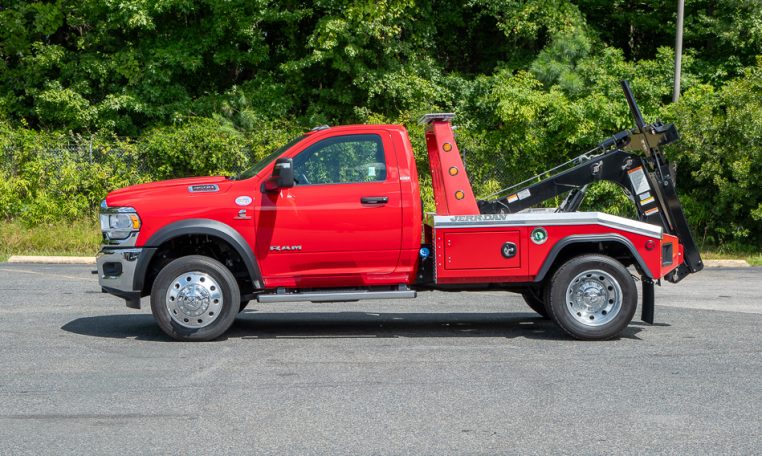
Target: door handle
(374, 199)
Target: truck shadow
(127, 326)
(330, 325)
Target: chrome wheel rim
(194, 300)
(594, 297)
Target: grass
(75, 238)
(82, 238)
(752, 257)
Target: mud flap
(648, 300)
(132, 303)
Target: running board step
(336, 296)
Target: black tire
(204, 267)
(532, 298)
(602, 313)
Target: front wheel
(195, 298)
(592, 297)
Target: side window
(341, 160)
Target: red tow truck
(336, 215)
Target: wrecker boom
(634, 160)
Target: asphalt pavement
(447, 373)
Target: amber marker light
(459, 195)
(453, 171)
(135, 220)
(446, 147)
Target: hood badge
(242, 215)
(203, 188)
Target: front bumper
(116, 273)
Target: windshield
(251, 172)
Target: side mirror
(283, 175)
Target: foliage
(77, 237)
(720, 157)
(175, 88)
(45, 177)
(195, 147)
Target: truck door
(341, 221)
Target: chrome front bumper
(116, 273)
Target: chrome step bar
(336, 296)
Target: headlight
(118, 222)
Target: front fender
(198, 226)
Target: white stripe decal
(546, 219)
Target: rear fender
(587, 239)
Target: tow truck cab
(336, 215)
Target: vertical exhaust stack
(452, 190)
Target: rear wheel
(592, 297)
(533, 298)
(195, 298)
